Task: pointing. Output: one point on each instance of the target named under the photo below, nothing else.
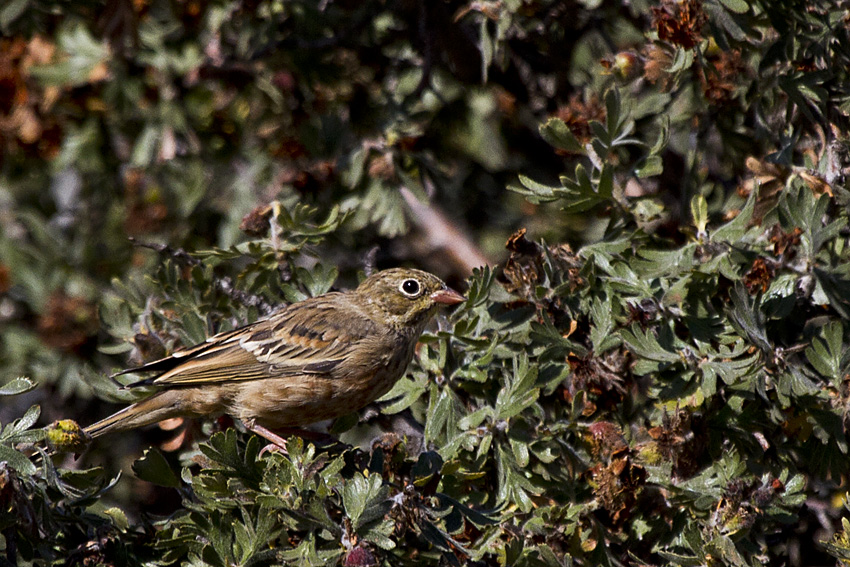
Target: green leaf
(682, 60)
(82, 53)
(737, 6)
(735, 229)
(365, 499)
(748, 319)
(118, 517)
(645, 344)
(223, 448)
(153, 467)
(441, 416)
(601, 335)
(699, 213)
(16, 460)
(479, 518)
(683, 560)
(19, 430)
(11, 12)
(605, 187)
(17, 386)
(536, 192)
(826, 352)
(317, 280)
(520, 451)
(652, 165)
(613, 108)
(520, 392)
(557, 133)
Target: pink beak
(447, 297)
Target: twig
(222, 284)
(440, 235)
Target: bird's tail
(160, 406)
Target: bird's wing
(310, 337)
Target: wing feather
(310, 337)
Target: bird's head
(404, 297)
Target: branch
(222, 284)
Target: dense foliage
(646, 204)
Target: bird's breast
(369, 371)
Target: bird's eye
(410, 288)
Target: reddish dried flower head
(681, 440)
(680, 22)
(642, 313)
(577, 114)
(284, 80)
(360, 557)
(759, 276)
(506, 102)
(606, 439)
(657, 61)
(720, 78)
(524, 269)
(598, 375)
(617, 485)
(256, 223)
(519, 244)
(785, 243)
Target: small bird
(313, 360)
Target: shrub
(655, 373)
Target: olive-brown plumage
(313, 360)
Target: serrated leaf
(748, 319)
(365, 499)
(16, 460)
(118, 517)
(83, 53)
(440, 413)
(646, 345)
(520, 451)
(825, 352)
(535, 190)
(17, 386)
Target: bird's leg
(278, 443)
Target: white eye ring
(410, 288)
